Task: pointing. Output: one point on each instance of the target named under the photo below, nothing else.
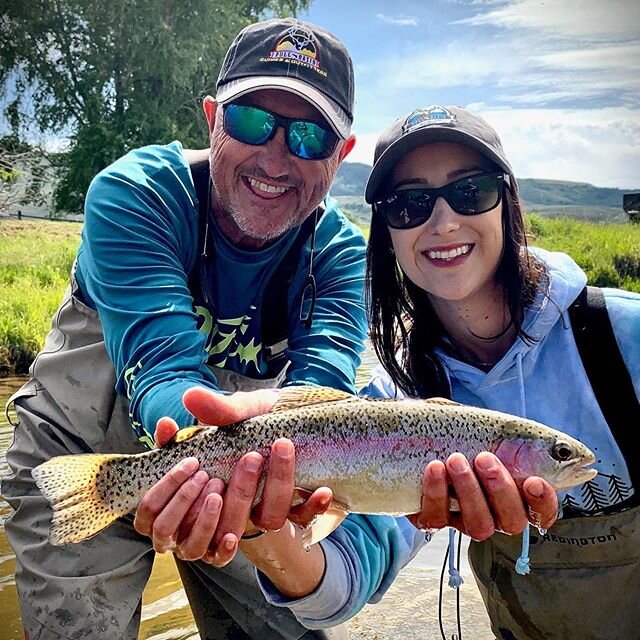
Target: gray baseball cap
(432, 124)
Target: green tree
(25, 174)
(112, 76)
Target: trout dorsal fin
(444, 401)
(187, 433)
(304, 395)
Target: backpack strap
(275, 309)
(608, 374)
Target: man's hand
(196, 516)
(488, 497)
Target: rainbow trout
(371, 453)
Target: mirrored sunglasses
(305, 139)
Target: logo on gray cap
(426, 116)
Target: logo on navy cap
(296, 46)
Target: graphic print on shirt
(604, 491)
(130, 379)
(229, 345)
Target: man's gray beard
(231, 212)
(264, 235)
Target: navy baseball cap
(294, 56)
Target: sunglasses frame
(285, 123)
(502, 180)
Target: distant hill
(351, 179)
(551, 198)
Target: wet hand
(196, 516)
(487, 495)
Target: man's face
(262, 191)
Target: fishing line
(444, 565)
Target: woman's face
(452, 257)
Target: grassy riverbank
(36, 257)
(35, 261)
(609, 253)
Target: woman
(461, 307)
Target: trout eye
(562, 451)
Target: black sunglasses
(410, 207)
(306, 139)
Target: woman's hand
(488, 498)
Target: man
(177, 287)
(188, 283)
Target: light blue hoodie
(545, 381)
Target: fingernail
(326, 501)
(229, 543)
(212, 504)
(458, 464)
(282, 449)
(200, 479)
(535, 488)
(253, 463)
(190, 465)
(486, 463)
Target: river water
(409, 610)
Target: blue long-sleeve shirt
(139, 246)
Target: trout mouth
(573, 473)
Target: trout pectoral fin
(304, 395)
(323, 525)
(187, 433)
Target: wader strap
(275, 316)
(199, 164)
(275, 308)
(608, 375)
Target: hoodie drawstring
(522, 563)
(455, 580)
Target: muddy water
(408, 611)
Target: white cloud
(572, 144)
(364, 148)
(525, 70)
(598, 146)
(622, 58)
(560, 80)
(590, 19)
(401, 21)
(455, 64)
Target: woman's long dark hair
(404, 327)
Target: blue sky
(558, 79)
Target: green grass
(35, 262)
(609, 253)
(36, 258)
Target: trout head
(559, 459)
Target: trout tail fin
(77, 488)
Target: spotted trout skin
(371, 453)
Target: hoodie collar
(565, 281)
